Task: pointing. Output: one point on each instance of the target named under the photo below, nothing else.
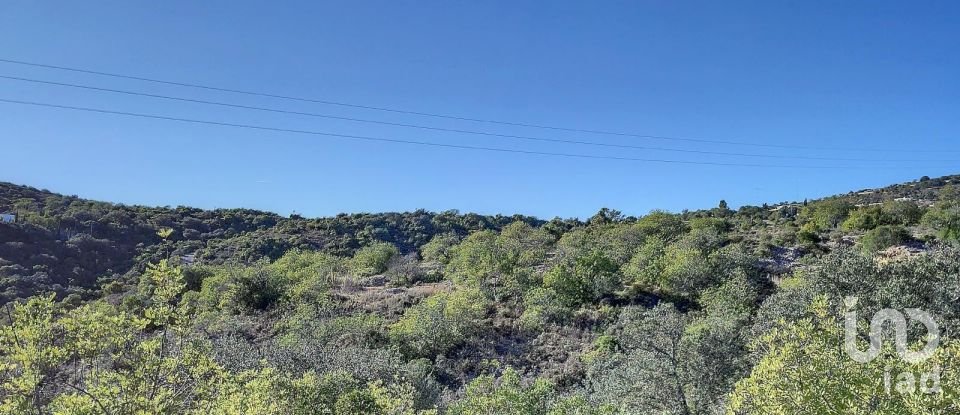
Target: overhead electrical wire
(453, 117)
(452, 130)
(412, 142)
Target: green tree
(902, 212)
(505, 395)
(884, 237)
(664, 225)
(648, 374)
(588, 278)
(500, 265)
(827, 213)
(804, 369)
(372, 259)
(944, 216)
(439, 322)
(863, 219)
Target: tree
(33, 350)
(901, 212)
(884, 237)
(506, 395)
(944, 216)
(648, 375)
(722, 210)
(588, 278)
(439, 323)
(372, 259)
(500, 265)
(605, 216)
(439, 247)
(804, 369)
(664, 225)
(826, 214)
(863, 219)
(644, 271)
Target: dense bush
(701, 312)
(372, 259)
(440, 323)
(884, 237)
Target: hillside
(194, 311)
(67, 244)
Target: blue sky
(842, 75)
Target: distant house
(7, 218)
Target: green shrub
(902, 212)
(945, 220)
(372, 259)
(662, 224)
(884, 237)
(863, 219)
(439, 323)
(439, 247)
(826, 214)
(644, 270)
(587, 279)
(543, 306)
(506, 395)
(500, 265)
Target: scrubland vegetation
(130, 310)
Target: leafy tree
(33, 350)
(372, 259)
(645, 268)
(864, 219)
(151, 375)
(944, 216)
(884, 237)
(649, 374)
(901, 212)
(439, 248)
(508, 395)
(588, 278)
(440, 322)
(500, 265)
(826, 214)
(605, 216)
(664, 225)
(804, 368)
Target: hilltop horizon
(297, 213)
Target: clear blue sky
(854, 74)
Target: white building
(7, 218)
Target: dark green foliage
(884, 237)
(586, 278)
(423, 313)
(65, 244)
(826, 214)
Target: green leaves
(372, 259)
(440, 322)
(509, 395)
(804, 369)
(33, 349)
(588, 278)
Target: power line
(412, 142)
(451, 130)
(451, 117)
